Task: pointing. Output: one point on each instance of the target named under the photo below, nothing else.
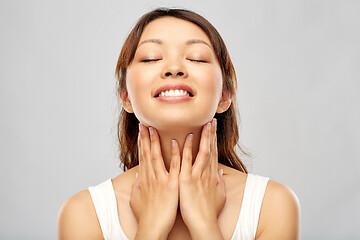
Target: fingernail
(137, 175)
(190, 137)
(221, 172)
(173, 143)
(208, 126)
(141, 127)
(151, 130)
(213, 122)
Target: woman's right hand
(154, 195)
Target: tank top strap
(251, 205)
(103, 197)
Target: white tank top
(103, 197)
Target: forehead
(171, 29)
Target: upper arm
(77, 218)
(280, 213)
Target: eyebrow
(157, 41)
(187, 43)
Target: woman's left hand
(202, 188)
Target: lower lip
(174, 99)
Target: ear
(126, 101)
(225, 102)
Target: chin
(170, 119)
(172, 123)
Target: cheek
(212, 82)
(138, 80)
(209, 82)
(217, 83)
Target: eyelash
(154, 60)
(199, 61)
(150, 60)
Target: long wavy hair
(227, 125)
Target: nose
(174, 69)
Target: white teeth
(174, 93)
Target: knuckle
(205, 152)
(151, 185)
(200, 182)
(184, 179)
(205, 177)
(173, 164)
(198, 179)
(152, 179)
(153, 157)
(142, 183)
(213, 179)
(163, 180)
(174, 152)
(172, 185)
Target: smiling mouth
(174, 99)
(174, 90)
(174, 93)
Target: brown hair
(227, 127)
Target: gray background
(297, 64)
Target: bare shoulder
(77, 218)
(123, 182)
(280, 213)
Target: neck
(180, 136)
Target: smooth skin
(279, 216)
(201, 188)
(173, 51)
(179, 193)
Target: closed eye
(194, 60)
(151, 60)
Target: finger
(145, 151)
(208, 168)
(142, 167)
(214, 158)
(186, 163)
(156, 155)
(204, 151)
(175, 160)
(213, 169)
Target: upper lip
(174, 86)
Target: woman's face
(173, 56)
